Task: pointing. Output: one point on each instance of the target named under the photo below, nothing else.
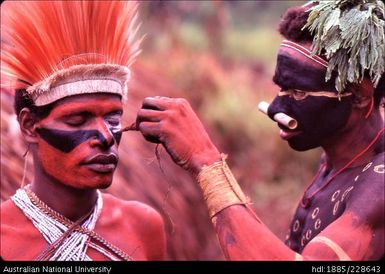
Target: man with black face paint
(334, 94)
(69, 64)
(318, 108)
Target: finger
(149, 115)
(150, 131)
(157, 103)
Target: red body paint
(85, 160)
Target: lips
(288, 134)
(102, 163)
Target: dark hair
(290, 27)
(292, 23)
(24, 100)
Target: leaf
(351, 35)
(333, 20)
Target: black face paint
(294, 73)
(318, 118)
(66, 141)
(117, 136)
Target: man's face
(302, 84)
(78, 140)
(318, 118)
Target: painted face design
(303, 97)
(66, 141)
(79, 139)
(318, 119)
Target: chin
(301, 146)
(97, 181)
(104, 185)
(103, 181)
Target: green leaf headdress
(350, 34)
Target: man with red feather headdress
(69, 65)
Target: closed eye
(76, 120)
(113, 119)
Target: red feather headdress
(55, 49)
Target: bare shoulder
(367, 198)
(11, 215)
(135, 209)
(137, 223)
(133, 214)
(17, 231)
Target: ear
(361, 102)
(362, 94)
(28, 124)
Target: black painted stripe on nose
(66, 141)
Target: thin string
(370, 108)
(169, 187)
(306, 200)
(133, 127)
(25, 156)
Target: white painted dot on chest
(317, 224)
(315, 213)
(296, 226)
(355, 179)
(303, 240)
(379, 169)
(335, 208)
(335, 195)
(346, 192)
(308, 234)
(367, 166)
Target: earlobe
(363, 94)
(28, 124)
(362, 102)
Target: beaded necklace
(68, 240)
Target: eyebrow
(77, 110)
(90, 113)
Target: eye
(113, 119)
(299, 94)
(75, 120)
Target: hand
(172, 122)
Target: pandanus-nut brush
(280, 117)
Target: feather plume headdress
(55, 49)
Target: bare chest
(321, 205)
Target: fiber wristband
(220, 188)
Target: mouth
(102, 163)
(286, 134)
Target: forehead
(94, 103)
(294, 70)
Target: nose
(104, 137)
(279, 104)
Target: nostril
(109, 140)
(279, 105)
(100, 139)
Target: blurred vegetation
(220, 55)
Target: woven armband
(220, 188)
